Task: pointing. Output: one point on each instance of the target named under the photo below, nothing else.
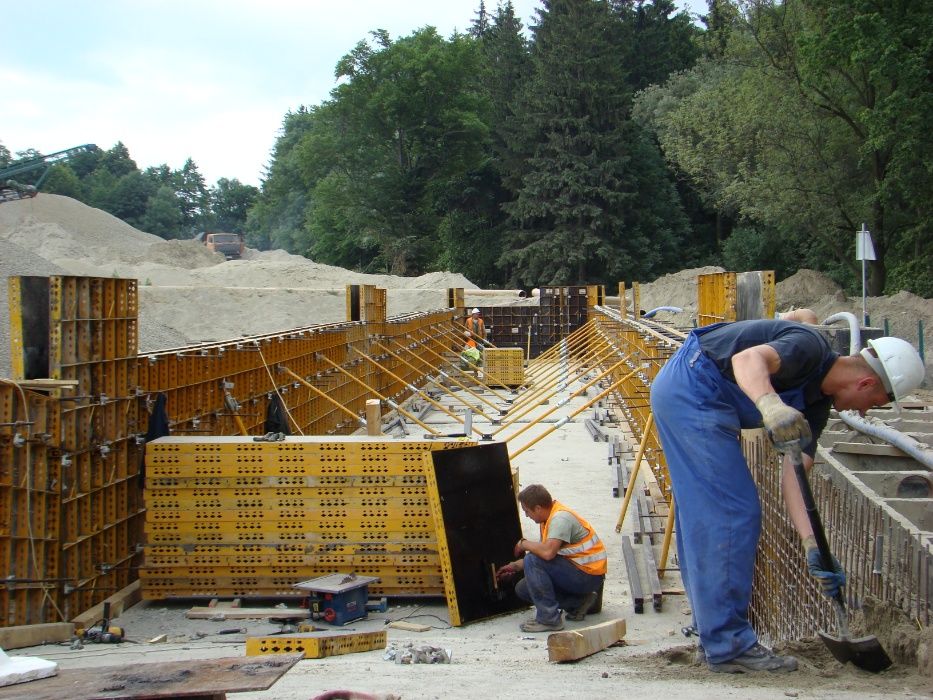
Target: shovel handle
(816, 523)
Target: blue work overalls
(699, 414)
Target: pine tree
(580, 211)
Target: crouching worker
(470, 357)
(564, 571)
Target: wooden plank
(408, 626)
(864, 448)
(22, 636)
(122, 600)
(204, 612)
(163, 679)
(577, 644)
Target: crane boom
(10, 189)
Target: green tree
(230, 201)
(816, 119)
(63, 180)
(164, 215)
(407, 119)
(117, 161)
(5, 156)
(191, 192)
(591, 205)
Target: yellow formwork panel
(389, 517)
(152, 592)
(504, 366)
(316, 645)
(275, 558)
(306, 498)
(329, 481)
(233, 514)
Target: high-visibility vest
(476, 326)
(589, 554)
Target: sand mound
(189, 294)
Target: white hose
(920, 452)
(855, 332)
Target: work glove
(785, 425)
(831, 581)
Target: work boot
(755, 659)
(589, 600)
(535, 626)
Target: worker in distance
(564, 571)
(729, 376)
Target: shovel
(865, 652)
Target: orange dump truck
(230, 244)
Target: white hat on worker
(897, 363)
(475, 311)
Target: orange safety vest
(589, 554)
(476, 327)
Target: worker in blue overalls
(730, 376)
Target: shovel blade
(865, 652)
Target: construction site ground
(493, 658)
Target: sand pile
(188, 294)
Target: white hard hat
(475, 311)
(897, 363)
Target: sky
(205, 79)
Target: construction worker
(730, 376)
(470, 356)
(564, 571)
(476, 327)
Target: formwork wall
(236, 517)
(71, 466)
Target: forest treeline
(610, 140)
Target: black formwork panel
(476, 517)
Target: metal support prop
(573, 395)
(448, 362)
(320, 393)
(546, 391)
(388, 401)
(568, 418)
(415, 390)
(496, 379)
(549, 377)
(447, 376)
(548, 356)
(635, 469)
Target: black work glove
(831, 581)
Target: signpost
(864, 250)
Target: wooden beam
(867, 448)
(33, 635)
(408, 626)
(204, 612)
(577, 644)
(124, 599)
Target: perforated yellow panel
(232, 516)
(316, 645)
